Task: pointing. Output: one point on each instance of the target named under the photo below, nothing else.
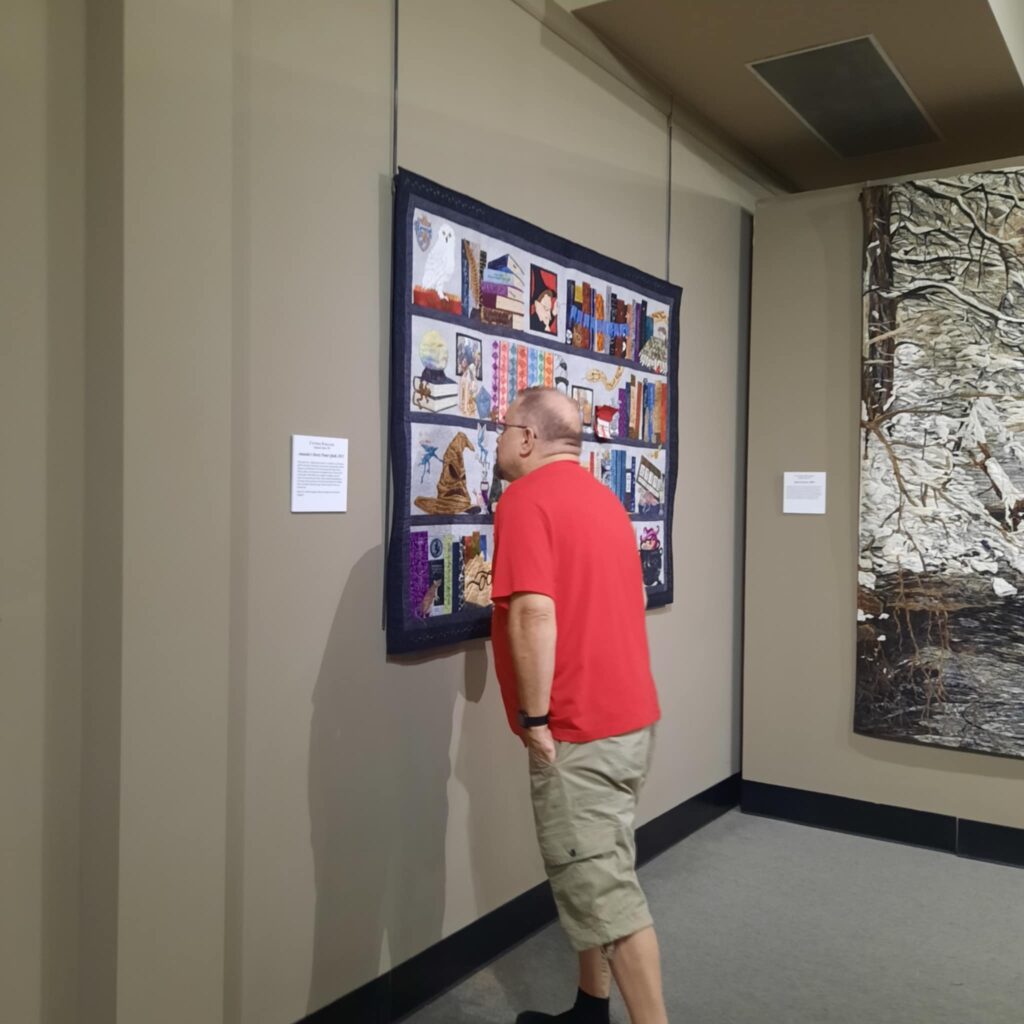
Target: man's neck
(550, 460)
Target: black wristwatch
(526, 722)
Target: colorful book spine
(501, 277)
(506, 305)
(522, 370)
(465, 280)
(458, 578)
(501, 317)
(507, 291)
(507, 264)
(474, 275)
(502, 381)
(448, 579)
(419, 570)
(549, 369)
(588, 299)
(570, 292)
(578, 332)
(510, 373)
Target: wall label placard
(803, 493)
(319, 474)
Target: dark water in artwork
(957, 683)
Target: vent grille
(850, 95)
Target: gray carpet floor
(765, 922)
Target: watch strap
(532, 722)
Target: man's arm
(532, 634)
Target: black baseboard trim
(413, 984)
(974, 839)
(880, 821)
(683, 820)
(982, 841)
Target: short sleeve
(524, 561)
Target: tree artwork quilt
(940, 615)
(485, 305)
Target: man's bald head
(554, 418)
(542, 426)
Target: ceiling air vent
(850, 95)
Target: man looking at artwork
(570, 648)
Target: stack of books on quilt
(502, 294)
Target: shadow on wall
(491, 767)
(378, 802)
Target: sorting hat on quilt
(452, 492)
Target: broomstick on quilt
(452, 491)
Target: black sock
(589, 1009)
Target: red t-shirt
(560, 532)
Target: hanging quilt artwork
(941, 583)
(484, 306)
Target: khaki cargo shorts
(584, 806)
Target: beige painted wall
(271, 812)
(801, 571)
(41, 179)
(23, 503)
(178, 165)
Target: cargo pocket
(563, 846)
(581, 864)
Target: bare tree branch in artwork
(942, 474)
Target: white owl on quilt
(440, 261)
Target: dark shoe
(587, 1009)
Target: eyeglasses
(502, 427)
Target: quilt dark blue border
(403, 636)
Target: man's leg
(591, 999)
(595, 978)
(636, 966)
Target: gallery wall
(41, 295)
(801, 570)
(271, 813)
